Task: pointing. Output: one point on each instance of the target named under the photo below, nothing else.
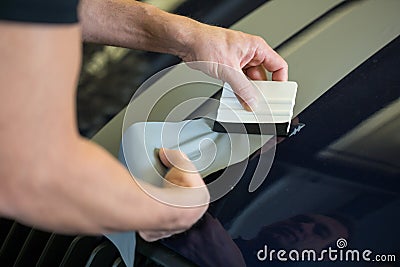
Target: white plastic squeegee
(274, 109)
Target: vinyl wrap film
(209, 150)
(208, 156)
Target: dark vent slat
(32, 248)
(103, 255)
(13, 244)
(79, 251)
(5, 227)
(55, 250)
(118, 263)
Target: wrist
(181, 34)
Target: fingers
(233, 55)
(184, 187)
(166, 159)
(176, 159)
(264, 57)
(256, 73)
(242, 87)
(274, 63)
(268, 58)
(151, 236)
(182, 171)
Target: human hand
(231, 56)
(181, 173)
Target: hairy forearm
(49, 176)
(230, 55)
(135, 25)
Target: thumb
(246, 93)
(182, 171)
(176, 159)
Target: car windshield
(335, 180)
